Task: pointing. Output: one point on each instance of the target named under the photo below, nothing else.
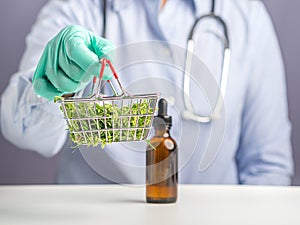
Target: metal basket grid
(100, 119)
(112, 120)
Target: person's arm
(28, 121)
(264, 156)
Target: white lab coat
(253, 138)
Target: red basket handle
(104, 62)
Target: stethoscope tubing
(216, 111)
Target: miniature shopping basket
(100, 119)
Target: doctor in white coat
(61, 56)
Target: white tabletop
(221, 205)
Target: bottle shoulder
(162, 142)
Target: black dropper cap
(162, 117)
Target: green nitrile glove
(70, 61)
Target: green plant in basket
(92, 123)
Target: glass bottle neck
(162, 131)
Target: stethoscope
(189, 113)
(215, 113)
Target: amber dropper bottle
(162, 160)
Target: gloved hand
(70, 61)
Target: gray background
(16, 18)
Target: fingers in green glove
(87, 56)
(73, 71)
(44, 88)
(62, 82)
(103, 47)
(70, 61)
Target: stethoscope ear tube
(188, 112)
(216, 111)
